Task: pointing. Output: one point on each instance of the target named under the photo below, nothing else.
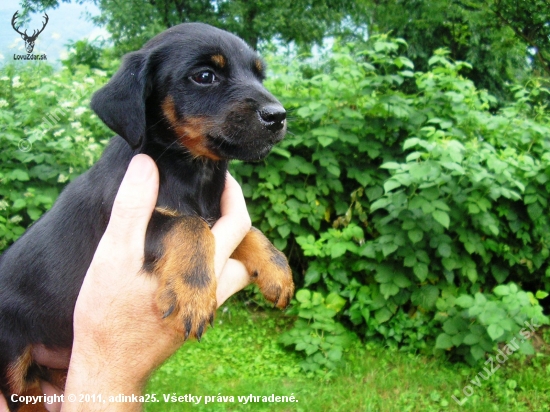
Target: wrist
(99, 381)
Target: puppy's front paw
(180, 252)
(189, 308)
(267, 266)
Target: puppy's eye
(205, 77)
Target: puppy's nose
(273, 117)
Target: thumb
(134, 202)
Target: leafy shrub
(409, 211)
(402, 193)
(49, 136)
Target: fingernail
(140, 169)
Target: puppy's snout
(273, 117)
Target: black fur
(41, 274)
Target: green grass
(241, 356)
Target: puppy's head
(197, 89)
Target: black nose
(273, 117)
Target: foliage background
(410, 194)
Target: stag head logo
(29, 40)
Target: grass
(241, 357)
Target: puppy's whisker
(165, 150)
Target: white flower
(100, 73)
(79, 110)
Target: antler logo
(29, 40)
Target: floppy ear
(121, 102)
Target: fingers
(120, 250)
(134, 202)
(3, 404)
(234, 224)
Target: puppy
(192, 98)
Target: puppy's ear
(121, 102)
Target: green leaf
(19, 204)
(303, 296)
(335, 302)
(471, 273)
(384, 273)
(334, 170)
(477, 352)
(535, 211)
(501, 290)
(331, 131)
(380, 204)
(389, 248)
(442, 218)
(281, 152)
(443, 341)
(391, 184)
(426, 296)
(415, 235)
(312, 276)
(338, 249)
(471, 339)
(383, 315)
(421, 271)
(541, 294)
(410, 261)
(20, 175)
(454, 326)
(335, 354)
(495, 331)
(465, 301)
(391, 166)
(284, 230)
(401, 280)
(413, 141)
(389, 289)
(325, 140)
(444, 250)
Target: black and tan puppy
(192, 98)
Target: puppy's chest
(192, 200)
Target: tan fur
(219, 60)
(267, 266)
(167, 212)
(187, 278)
(17, 371)
(191, 131)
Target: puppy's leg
(180, 251)
(267, 266)
(22, 379)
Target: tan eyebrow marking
(218, 60)
(259, 65)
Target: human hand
(124, 339)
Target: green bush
(402, 193)
(48, 136)
(410, 212)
